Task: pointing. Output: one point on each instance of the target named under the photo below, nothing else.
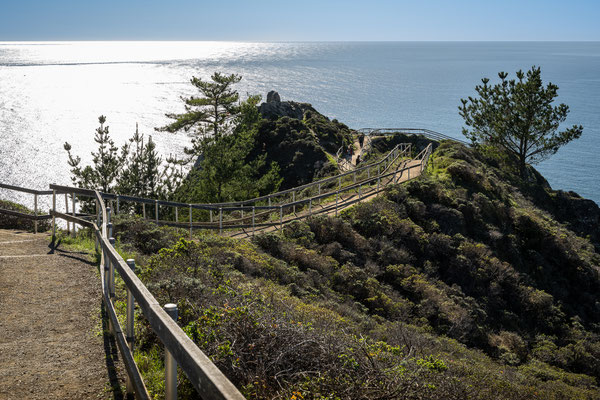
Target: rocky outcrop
(274, 108)
(581, 215)
(273, 97)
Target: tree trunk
(522, 167)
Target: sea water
(53, 92)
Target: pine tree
(137, 170)
(517, 117)
(106, 162)
(207, 118)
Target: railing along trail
(325, 196)
(180, 350)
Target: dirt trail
(51, 341)
(356, 153)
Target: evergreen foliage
(224, 172)
(517, 116)
(136, 169)
(210, 116)
(106, 162)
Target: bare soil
(53, 343)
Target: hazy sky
(280, 20)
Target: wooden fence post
(129, 327)
(53, 217)
(170, 363)
(111, 272)
(67, 211)
(35, 222)
(97, 224)
(74, 229)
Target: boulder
(273, 97)
(274, 108)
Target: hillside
(466, 283)
(299, 139)
(276, 145)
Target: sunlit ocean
(53, 92)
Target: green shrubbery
(280, 328)
(443, 287)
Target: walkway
(345, 201)
(51, 344)
(347, 163)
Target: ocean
(53, 92)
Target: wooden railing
(306, 201)
(269, 211)
(428, 133)
(35, 217)
(208, 380)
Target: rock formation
(274, 108)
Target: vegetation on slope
(454, 285)
(301, 148)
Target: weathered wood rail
(35, 217)
(428, 133)
(208, 380)
(325, 196)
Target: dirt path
(356, 152)
(51, 341)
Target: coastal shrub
(274, 345)
(142, 235)
(484, 282)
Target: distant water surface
(52, 92)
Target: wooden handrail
(215, 206)
(26, 216)
(208, 380)
(35, 217)
(409, 131)
(25, 190)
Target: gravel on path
(52, 340)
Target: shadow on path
(111, 352)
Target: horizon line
(297, 41)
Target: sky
(300, 20)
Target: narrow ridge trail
(52, 344)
